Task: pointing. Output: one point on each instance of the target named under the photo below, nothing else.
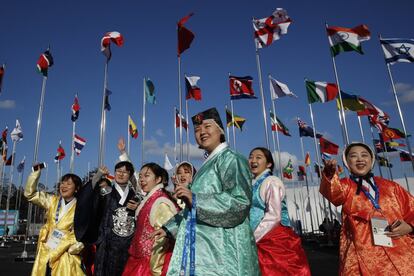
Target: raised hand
(329, 168)
(121, 145)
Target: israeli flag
(398, 50)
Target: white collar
(65, 207)
(122, 193)
(262, 173)
(216, 151)
(147, 196)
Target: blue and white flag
(20, 167)
(78, 144)
(398, 50)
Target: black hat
(211, 114)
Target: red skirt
(280, 253)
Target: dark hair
(222, 138)
(128, 166)
(158, 171)
(189, 166)
(75, 179)
(268, 156)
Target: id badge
(379, 226)
(54, 239)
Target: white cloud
(160, 132)
(405, 92)
(7, 104)
(152, 147)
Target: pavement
(323, 259)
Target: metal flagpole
(302, 203)
(144, 100)
(128, 135)
(227, 127)
(345, 128)
(3, 172)
(277, 141)
(180, 111)
(187, 133)
(72, 151)
(101, 155)
(259, 70)
(361, 130)
(318, 159)
(375, 148)
(19, 199)
(175, 134)
(275, 152)
(10, 187)
(232, 120)
(306, 182)
(407, 140)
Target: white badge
(379, 228)
(54, 239)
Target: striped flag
(75, 109)
(184, 123)
(132, 127)
(346, 39)
(45, 61)
(398, 50)
(106, 40)
(193, 91)
(60, 153)
(319, 91)
(277, 125)
(269, 29)
(78, 143)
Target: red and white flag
(185, 36)
(184, 123)
(78, 143)
(193, 91)
(106, 40)
(269, 29)
(241, 87)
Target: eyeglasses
(121, 172)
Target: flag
(288, 170)
(184, 123)
(107, 105)
(328, 147)
(241, 87)
(379, 121)
(383, 162)
(3, 145)
(149, 91)
(307, 159)
(279, 89)
(9, 160)
(345, 39)
(317, 170)
(302, 170)
(238, 121)
(17, 133)
(398, 50)
(405, 156)
(75, 109)
(78, 144)
(106, 40)
(185, 36)
(2, 68)
(370, 109)
(350, 102)
(167, 164)
(321, 91)
(392, 133)
(193, 91)
(326, 156)
(277, 125)
(20, 167)
(45, 61)
(60, 153)
(269, 29)
(305, 130)
(132, 127)
(389, 146)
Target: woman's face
(67, 189)
(359, 161)
(208, 135)
(148, 180)
(258, 162)
(184, 175)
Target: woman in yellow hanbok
(57, 249)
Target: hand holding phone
(38, 166)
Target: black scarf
(358, 180)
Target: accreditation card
(379, 228)
(54, 239)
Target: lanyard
(374, 201)
(189, 241)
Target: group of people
(228, 218)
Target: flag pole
(375, 148)
(407, 140)
(232, 120)
(361, 130)
(259, 70)
(143, 123)
(274, 152)
(180, 108)
(10, 186)
(227, 127)
(103, 119)
(128, 135)
(306, 182)
(175, 134)
(19, 199)
(72, 151)
(187, 133)
(277, 141)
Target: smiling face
(359, 160)
(148, 180)
(122, 175)
(67, 189)
(258, 162)
(184, 175)
(207, 135)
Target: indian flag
(345, 39)
(319, 91)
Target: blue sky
(223, 43)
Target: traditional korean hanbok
(57, 246)
(223, 241)
(279, 248)
(357, 253)
(147, 257)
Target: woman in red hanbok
(367, 202)
(146, 256)
(279, 249)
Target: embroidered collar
(65, 207)
(262, 173)
(122, 193)
(147, 196)
(216, 151)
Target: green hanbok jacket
(224, 241)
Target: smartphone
(38, 166)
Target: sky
(223, 44)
